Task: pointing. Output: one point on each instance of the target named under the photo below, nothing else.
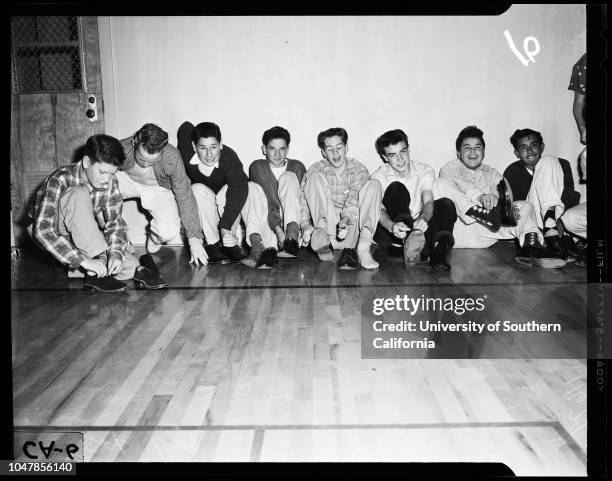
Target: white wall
(430, 76)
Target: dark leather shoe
(146, 279)
(267, 259)
(233, 254)
(147, 261)
(215, 254)
(104, 284)
(506, 213)
(534, 253)
(290, 249)
(348, 259)
(438, 260)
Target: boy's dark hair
(467, 132)
(104, 148)
(204, 130)
(520, 133)
(152, 138)
(275, 133)
(339, 131)
(391, 137)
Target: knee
(371, 187)
(396, 190)
(255, 189)
(446, 207)
(288, 178)
(202, 193)
(316, 178)
(524, 207)
(75, 194)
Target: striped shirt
(106, 202)
(472, 183)
(344, 189)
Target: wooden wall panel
(37, 132)
(72, 125)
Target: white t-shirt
(420, 177)
(202, 167)
(278, 171)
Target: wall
(430, 76)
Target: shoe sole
(286, 255)
(347, 268)
(224, 261)
(413, 247)
(546, 263)
(96, 288)
(143, 284)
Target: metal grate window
(46, 54)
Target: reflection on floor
(233, 364)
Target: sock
(257, 248)
(293, 230)
(550, 224)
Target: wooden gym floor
(235, 364)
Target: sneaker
(104, 284)
(319, 242)
(152, 246)
(149, 280)
(348, 259)
(267, 259)
(489, 218)
(504, 204)
(215, 254)
(413, 245)
(534, 253)
(232, 254)
(290, 249)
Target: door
(56, 101)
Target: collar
(195, 160)
(82, 177)
(411, 170)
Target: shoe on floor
(147, 279)
(348, 259)
(215, 253)
(534, 253)
(290, 249)
(104, 284)
(267, 259)
(233, 254)
(413, 245)
(439, 256)
(488, 218)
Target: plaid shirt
(472, 183)
(107, 201)
(344, 190)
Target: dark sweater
(520, 183)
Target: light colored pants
(254, 213)
(325, 215)
(546, 188)
(160, 202)
(76, 220)
(290, 197)
(469, 234)
(575, 220)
